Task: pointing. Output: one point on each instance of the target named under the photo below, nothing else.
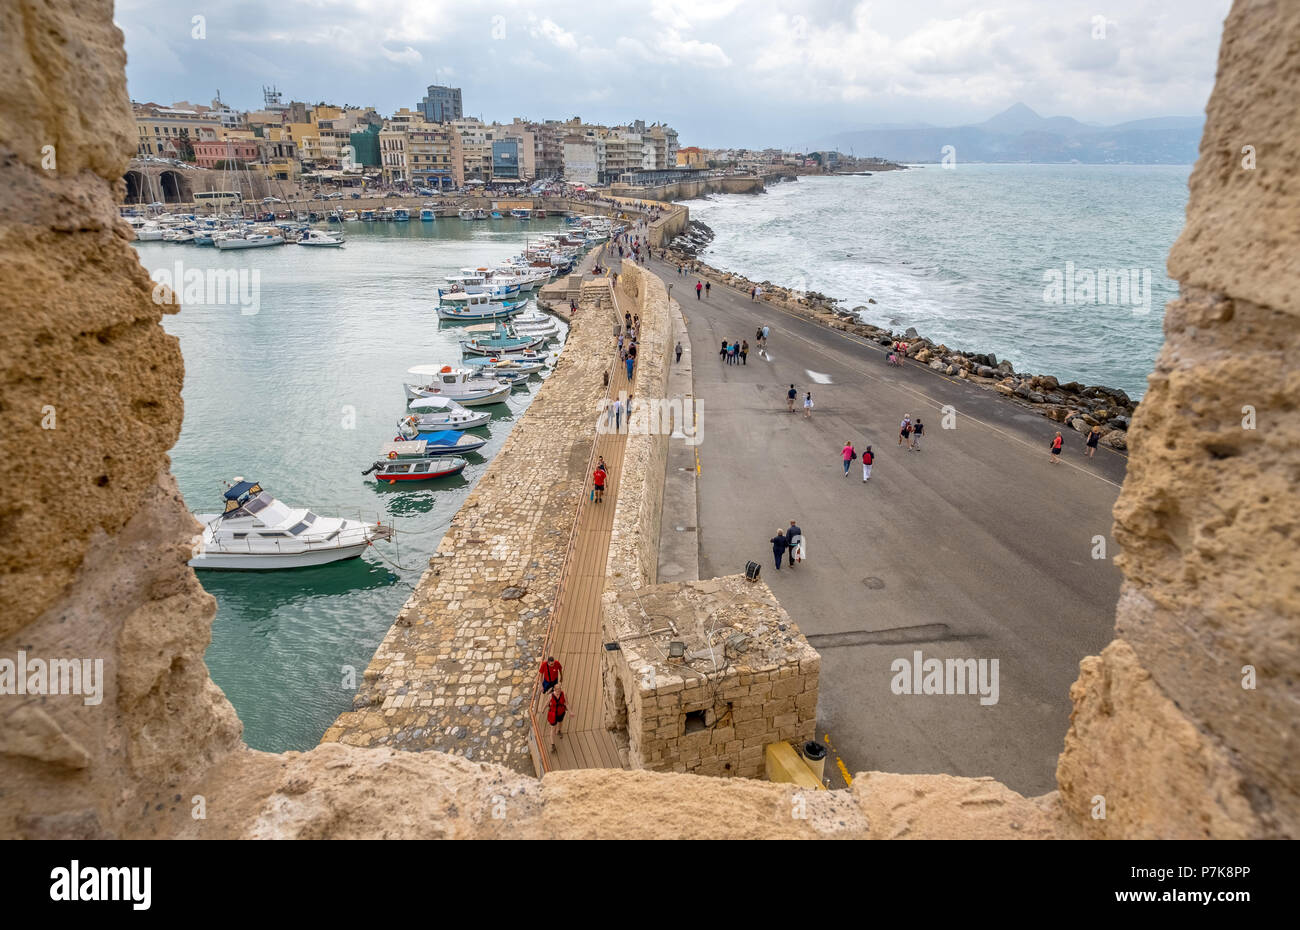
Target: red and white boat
(391, 471)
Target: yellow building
(160, 130)
(690, 157)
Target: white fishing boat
(178, 234)
(314, 237)
(469, 213)
(466, 386)
(465, 306)
(258, 532)
(478, 282)
(149, 232)
(545, 327)
(519, 364)
(442, 413)
(252, 240)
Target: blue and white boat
(501, 343)
(477, 307)
(427, 214)
(401, 215)
(526, 364)
(435, 442)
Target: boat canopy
(434, 403)
(409, 447)
(446, 437)
(242, 488)
(425, 371)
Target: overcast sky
(784, 73)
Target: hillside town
(431, 148)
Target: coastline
(1071, 403)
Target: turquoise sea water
(965, 255)
(300, 396)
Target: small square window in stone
(695, 721)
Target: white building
(580, 161)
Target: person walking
(744, 352)
(723, 353)
(598, 484)
(751, 294)
(905, 431)
(679, 351)
(917, 429)
(708, 286)
(631, 361)
(764, 337)
(848, 455)
(616, 414)
(779, 545)
(551, 672)
(867, 459)
(758, 292)
(1056, 448)
(555, 713)
(1094, 434)
(790, 395)
(807, 405)
(794, 540)
(699, 286)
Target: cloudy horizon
(722, 72)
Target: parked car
(392, 194)
(356, 195)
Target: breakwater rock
(1077, 405)
(693, 240)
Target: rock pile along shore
(1079, 406)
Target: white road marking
(816, 377)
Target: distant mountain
(1018, 134)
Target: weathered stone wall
(743, 697)
(686, 190)
(633, 556)
(1167, 724)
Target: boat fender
(392, 455)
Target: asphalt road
(976, 546)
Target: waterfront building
(505, 160)
(169, 132)
(428, 153)
(392, 154)
(228, 152)
(580, 160)
(440, 104)
(690, 157)
(471, 151)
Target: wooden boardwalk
(576, 639)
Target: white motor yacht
(315, 237)
(258, 532)
(250, 240)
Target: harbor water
(300, 395)
(968, 256)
